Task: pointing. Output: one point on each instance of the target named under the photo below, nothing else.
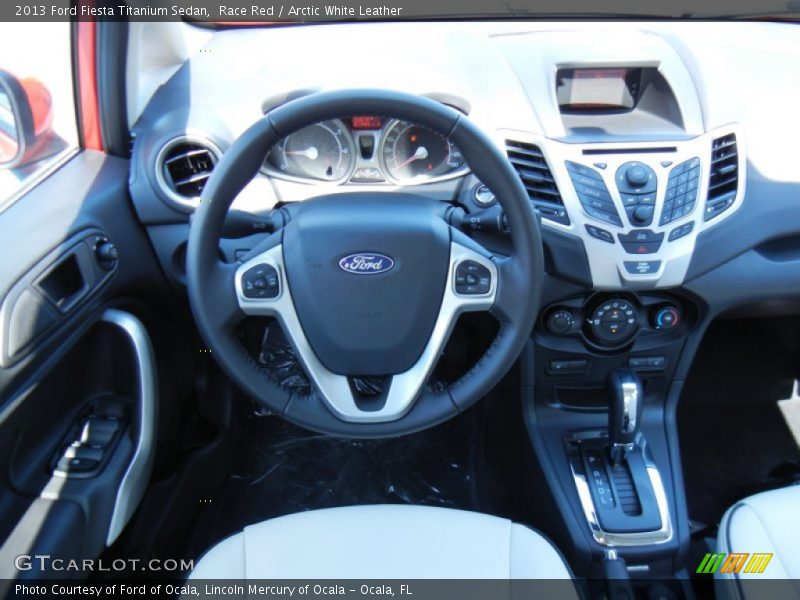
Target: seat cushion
(383, 542)
(768, 522)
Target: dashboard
(654, 154)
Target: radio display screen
(598, 88)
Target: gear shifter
(625, 407)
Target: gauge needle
(310, 153)
(420, 154)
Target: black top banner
(262, 12)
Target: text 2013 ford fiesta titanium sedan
(402, 301)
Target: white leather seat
(768, 522)
(383, 542)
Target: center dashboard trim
(608, 257)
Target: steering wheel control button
(613, 321)
(472, 279)
(600, 234)
(642, 267)
(681, 231)
(666, 318)
(560, 322)
(261, 281)
(593, 193)
(641, 241)
(682, 187)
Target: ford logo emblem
(366, 263)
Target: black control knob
(107, 254)
(666, 317)
(560, 322)
(637, 175)
(613, 322)
(642, 215)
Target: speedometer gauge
(323, 151)
(413, 152)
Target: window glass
(37, 108)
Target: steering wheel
(365, 283)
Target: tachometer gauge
(413, 152)
(323, 151)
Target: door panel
(78, 390)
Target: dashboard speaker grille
(186, 167)
(532, 168)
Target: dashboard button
(588, 181)
(656, 362)
(605, 217)
(641, 235)
(642, 247)
(681, 231)
(642, 267)
(604, 205)
(558, 366)
(637, 362)
(600, 234)
(578, 169)
(593, 193)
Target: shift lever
(624, 411)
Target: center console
(625, 175)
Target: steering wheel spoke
(262, 289)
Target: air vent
(724, 176)
(185, 166)
(529, 162)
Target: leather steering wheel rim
(212, 283)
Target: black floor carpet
(732, 433)
(283, 469)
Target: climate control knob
(613, 322)
(666, 317)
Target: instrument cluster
(365, 150)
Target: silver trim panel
(134, 482)
(642, 538)
(335, 388)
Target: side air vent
(184, 166)
(723, 181)
(529, 162)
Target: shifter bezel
(662, 535)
